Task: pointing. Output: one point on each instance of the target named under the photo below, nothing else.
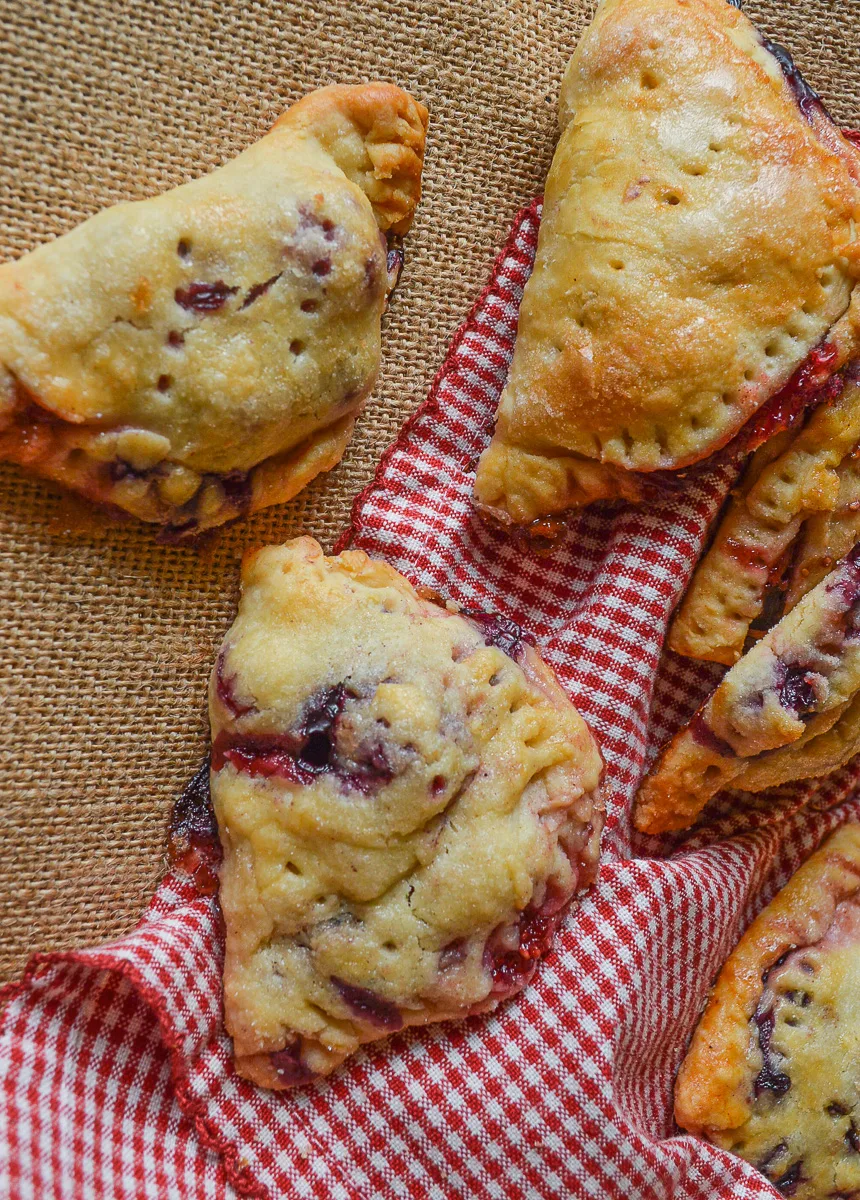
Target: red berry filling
(193, 844)
(259, 289)
(798, 690)
(811, 384)
(512, 951)
(499, 631)
(769, 1078)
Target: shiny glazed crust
(789, 479)
(406, 800)
(791, 1099)
(204, 353)
(652, 327)
(797, 679)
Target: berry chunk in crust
(652, 328)
(406, 799)
(773, 1069)
(204, 353)
(788, 479)
(799, 677)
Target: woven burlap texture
(106, 641)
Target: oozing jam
(511, 954)
(748, 557)
(769, 1078)
(498, 631)
(813, 383)
(193, 844)
(204, 298)
(703, 735)
(310, 749)
(368, 1006)
(808, 101)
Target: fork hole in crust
(297, 347)
(293, 869)
(649, 80)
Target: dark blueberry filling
(368, 1007)
(789, 1182)
(701, 733)
(797, 691)
(851, 1139)
(204, 297)
(288, 1064)
(193, 841)
(317, 727)
(237, 487)
(224, 687)
(499, 631)
(119, 469)
(309, 750)
(772, 1155)
(808, 101)
(770, 1078)
(259, 289)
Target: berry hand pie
(407, 802)
(796, 490)
(772, 1070)
(204, 353)
(787, 710)
(697, 247)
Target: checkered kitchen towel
(115, 1068)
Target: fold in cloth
(116, 1071)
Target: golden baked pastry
(406, 799)
(772, 1070)
(696, 246)
(789, 479)
(790, 688)
(204, 353)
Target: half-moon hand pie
(697, 245)
(204, 353)
(772, 1070)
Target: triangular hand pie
(204, 353)
(697, 243)
(407, 801)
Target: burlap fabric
(106, 640)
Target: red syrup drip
(813, 383)
(511, 969)
(192, 840)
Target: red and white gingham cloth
(116, 1072)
